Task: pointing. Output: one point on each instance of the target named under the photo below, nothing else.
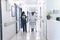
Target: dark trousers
(24, 27)
(32, 29)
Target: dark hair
(32, 13)
(23, 13)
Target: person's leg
(35, 29)
(21, 25)
(32, 29)
(25, 27)
(29, 28)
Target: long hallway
(40, 15)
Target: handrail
(10, 23)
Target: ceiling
(31, 1)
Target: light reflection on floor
(27, 36)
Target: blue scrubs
(23, 23)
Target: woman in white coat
(33, 22)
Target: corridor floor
(27, 36)
(30, 35)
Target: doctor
(32, 22)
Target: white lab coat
(32, 22)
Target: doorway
(18, 12)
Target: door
(20, 12)
(16, 17)
(0, 22)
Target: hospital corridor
(29, 20)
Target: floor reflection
(27, 36)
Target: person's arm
(35, 18)
(26, 16)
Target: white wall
(53, 5)
(53, 28)
(9, 30)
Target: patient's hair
(32, 13)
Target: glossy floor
(27, 36)
(30, 35)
